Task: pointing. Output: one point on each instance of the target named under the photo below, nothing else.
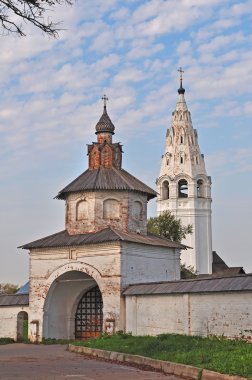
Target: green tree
(187, 272)
(14, 12)
(8, 288)
(168, 226)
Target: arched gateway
(73, 307)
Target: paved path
(37, 362)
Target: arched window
(200, 188)
(181, 160)
(165, 190)
(137, 210)
(111, 209)
(82, 210)
(181, 139)
(182, 188)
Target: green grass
(233, 357)
(6, 340)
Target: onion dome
(105, 124)
(181, 90)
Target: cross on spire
(105, 99)
(181, 71)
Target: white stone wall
(149, 264)
(219, 314)
(8, 320)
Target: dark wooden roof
(218, 264)
(231, 271)
(14, 299)
(106, 179)
(63, 239)
(221, 284)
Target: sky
(130, 50)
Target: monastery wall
(8, 318)
(226, 314)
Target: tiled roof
(213, 284)
(14, 299)
(63, 239)
(106, 179)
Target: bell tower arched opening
(182, 189)
(165, 190)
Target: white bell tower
(185, 188)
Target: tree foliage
(168, 226)
(14, 12)
(187, 272)
(8, 288)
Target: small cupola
(181, 90)
(104, 128)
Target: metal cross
(105, 99)
(181, 73)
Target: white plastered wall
(226, 314)
(8, 320)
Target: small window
(181, 160)
(181, 140)
(111, 209)
(182, 188)
(165, 190)
(82, 210)
(137, 210)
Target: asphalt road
(37, 362)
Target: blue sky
(130, 50)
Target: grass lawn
(232, 357)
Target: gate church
(77, 275)
(105, 273)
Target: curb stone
(178, 369)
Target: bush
(6, 340)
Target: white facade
(58, 281)
(9, 320)
(184, 187)
(206, 314)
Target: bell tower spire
(184, 187)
